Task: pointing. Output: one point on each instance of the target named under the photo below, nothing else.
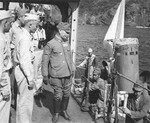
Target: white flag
(116, 28)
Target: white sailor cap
(31, 17)
(5, 14)
(90, 50)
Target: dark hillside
(100, 11)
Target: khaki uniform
(24, 73)
(139, 108)
(15, 29)
(57, 59)
(5, 65)
(57, 63)
(92, 64)
(99, 86)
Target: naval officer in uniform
(5, 65)
(24, 71)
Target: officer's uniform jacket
(57, 59)
(25, 53)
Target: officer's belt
(19, 63)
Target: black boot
(57, 104)
(64, 106)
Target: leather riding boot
(57, 104)
(64, 106)
(55, 118)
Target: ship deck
(43, 110)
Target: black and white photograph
(74, 61)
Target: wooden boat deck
(43, 110)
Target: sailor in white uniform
(5, 65)
(24, 71)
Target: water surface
(92, 36)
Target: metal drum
(127, 62)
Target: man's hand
(126, 110)
(31, 85)
(45, 80)
(6, 96)
(73, 73)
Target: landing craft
(126, 51)
(69, 9)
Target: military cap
(97, 71)
(64, 26)
(138, 88)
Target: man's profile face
(95, 76)
(64, 35)
(22, 20)
(7, 24)
(89, 54)
(33, 27)
(36, 7)
(142, 78)
(137, 93)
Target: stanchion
(85, 97)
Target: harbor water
(92, 36)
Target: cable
(131, 80)
(79, 54)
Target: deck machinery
(69, 9)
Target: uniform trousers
(5, 105)
(37, 67)
(61, 86)
(24, 98)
